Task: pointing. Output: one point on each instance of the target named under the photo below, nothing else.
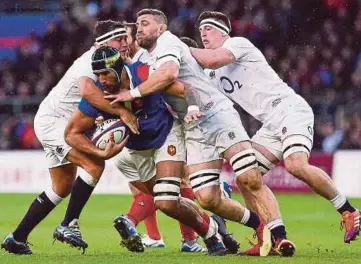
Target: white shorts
(139, 165)
(210, 138)
(293, 125)
(50, 132)
(135, 165)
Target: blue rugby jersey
(155, 121)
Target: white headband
(111, 35)
(215, 24)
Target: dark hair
(133, 31)
(154, 12)
(189, 42)
(105, 26)
(218, 16)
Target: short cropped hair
(218, 16)
(105, 26)
(161, 18)
(133, 29)
(189, 42)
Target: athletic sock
(250, 219)
(151, 226)
(277, 229)
(341, 204)
(79, 196)
(37, 211)
(188, 233)
(142, 207)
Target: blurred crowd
(314, 45)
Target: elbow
(171, 76)
(212, 65)
(68, 136)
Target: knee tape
(167, 188)
(243, 161)
(204, 178)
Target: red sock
(142, 207)
(187, 232)
(152, 227)
(203, 229)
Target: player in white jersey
(218, 134)
(50, 122)
(244, 75)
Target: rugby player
(49, 124)
(243, 74)
(143, 204)
(216, 135)
(161, 140)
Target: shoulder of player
(238, 40)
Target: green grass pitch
(311, 222)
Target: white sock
(53, 197)
(246, 216)
(338, 201)
(213, 228)
(88, 179)
(275, 223)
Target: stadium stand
(306, 42)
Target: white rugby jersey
(169, 47)
(64, 98)
(251, 82)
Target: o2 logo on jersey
(228, 85)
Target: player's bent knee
(204, 178)
(167, 206)
(244, 161)
(296, 166)
(250, 180)
(209, 201)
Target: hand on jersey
(113, 149)
(193, 115)
(122, 96)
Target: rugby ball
(102, 133)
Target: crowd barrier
(26, 172)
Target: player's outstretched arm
(90, 92)
(165, 75)
(212, 59)
(74, 136)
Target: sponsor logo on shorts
(310, 130)
(172, 150)
(212, 75)
(231, 135)
(284, 130)
(59, 150)
(276, 102)
(208, 106)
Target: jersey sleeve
(168, 50)
(239, 47)
(87, 109)
(85, 69)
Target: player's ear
(162, 28)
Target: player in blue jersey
(160, 138)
